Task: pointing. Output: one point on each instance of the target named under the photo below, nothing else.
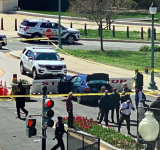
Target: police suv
(41, 62)
(34, 28)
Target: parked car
(84, 83)
(34, 28)
(3, 40)
(42, 62)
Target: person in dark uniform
(138, 80)
(124, 97)
(20, 101)
(59, 131)
(125, 88)
(103, 88)
(105, 106)
(125, 110)
(69, 107)
(115, 97)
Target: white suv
(41, 62)
(36, 28)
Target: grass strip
(122, 35)
(130, 60)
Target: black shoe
(72, 127)
(99, 122)
(26, 114)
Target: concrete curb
(101, 141)
(125, 41)
(14, 55)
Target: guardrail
(79, 141)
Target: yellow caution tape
(74, 94)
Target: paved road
(12, 130)
(82, 44)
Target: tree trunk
(101, 35)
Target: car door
(30, 61)
(44, 26)
(77, 85)
(26, 59)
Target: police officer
(125, 87)
(59, 131)
(125, 110)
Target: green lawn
(107, 34)
(125, 59)
(122, 15)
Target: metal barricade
(79, 141)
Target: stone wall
(8, 5)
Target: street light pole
(152, 84)
(59, 25)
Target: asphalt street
(12, 130)
(82, 44)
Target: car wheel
(0, 45)
(34, 73)
(70, 39)
(36, 36)
(79, 99)
(22, 69)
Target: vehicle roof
(39, 20)
(41, 49)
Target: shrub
(146, 48)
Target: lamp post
(152, 10)
(59, 25)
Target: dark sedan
(84, 83)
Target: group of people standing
(114, 102)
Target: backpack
(143, 96)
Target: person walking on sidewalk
(105, 106)
(69, 107)
(125, 110)
(103, 88)
(115, 97)
(59, 131)
(20, 101)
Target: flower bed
(108, 134)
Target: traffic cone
(5, 90)
(1, 88)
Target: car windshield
(97, 81)
(46, 56)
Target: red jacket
(69, 105)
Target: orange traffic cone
(5, 90)
(1, 88)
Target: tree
(99, 9)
